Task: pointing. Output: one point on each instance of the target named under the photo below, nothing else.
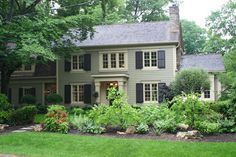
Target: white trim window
(77, 62)
(77, 93)
(150, 92)
(150, 59)
(207, 94)
(27, 91)
(26, 68)
(113, 61)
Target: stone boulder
(130, 130)
(3, 127)
(183, 127)
(194, 134)
(38, 128)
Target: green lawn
(56, 145)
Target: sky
(199, 10)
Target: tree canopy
(194, 37)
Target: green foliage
(197, 114)
(194, 37)
(28, 99)
(57, 119)
(228, 125)
(24, 115)
(222, 30)
(190, 81)
(164, 125)
(78, 111)
(54, 98)
(5, 109)
(142, 128)
(86, 125)
(207, 127)
(42, 108)
(119, 114)
(4, 104)
(151, 113)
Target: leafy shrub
(86, 125)
(142, 128)
(42, 108)
(24, 115)
(152, 113)
(57, 119)
(78, 111)
(54, 98)
(220, 106)
(5, 109)
(164, 125)
(190, 81)
(28, 99)
(207, 127)
(228, 125)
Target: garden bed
(225, 137)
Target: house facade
(139, 59)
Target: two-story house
(136, 58)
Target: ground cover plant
(55, 145)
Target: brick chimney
(174, 18)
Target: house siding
(166, 75)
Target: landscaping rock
(194, 134)
(121, 133)
(3, 126)
(19, 131)
(183, 127)
(38, 128)
(130, 130)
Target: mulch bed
(226, 137)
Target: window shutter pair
(140, 96)
(87, 63)
(161, 59)
(87, 94)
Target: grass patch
(59, 145)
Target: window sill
(77, 71)
(105, 70)
(150, 69)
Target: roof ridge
(137, 23)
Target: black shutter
(87, 62)
(9, 95)
(20, 94)
(161, 59)
(67, 94)
(87, 94)
(139, 59)
(139, 93)
(33, 92)
(67, 64)
(161, 92)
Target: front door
(104, 90)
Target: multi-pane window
(25, 68)
(77, 93)
(150, 59)
(27, 91)
(105, 60)
(113, 61)
(150, 92)
(77, 62)
(207, 94)
(121, 60)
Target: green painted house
(138, 59)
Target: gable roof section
(131, 34)
(208, 62)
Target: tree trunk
(5, 78)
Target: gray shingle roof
(131, 34)
(208, 62)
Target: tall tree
(222, 29)
(146, 10)
(194, 37)
(28, 29)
